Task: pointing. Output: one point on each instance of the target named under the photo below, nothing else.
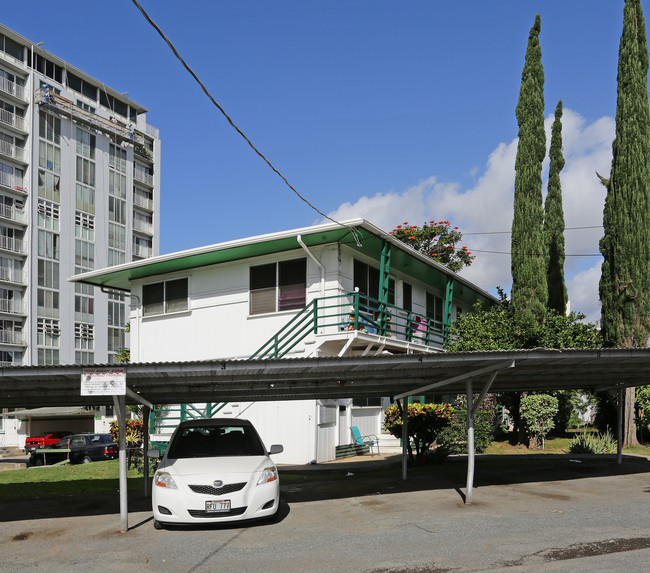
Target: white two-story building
(326, 290)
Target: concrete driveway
(531, 513)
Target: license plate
(217, 505)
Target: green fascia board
(403, 258)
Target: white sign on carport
(112, 382)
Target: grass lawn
(97, 477)
(552, 445)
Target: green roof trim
(403, 258)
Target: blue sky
(393, 111)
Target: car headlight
(268, 475)
(163, 479)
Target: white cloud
(487, 208)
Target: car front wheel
(87, 460)
(157, 524)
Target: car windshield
(215, 441)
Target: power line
(510, 232)
(232, 123)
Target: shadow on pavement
(354, 479)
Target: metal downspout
(320, 266)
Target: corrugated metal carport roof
(347, 377)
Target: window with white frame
(49, 127)
(165, 297)
(84, 336)
(278, 286)
(48, 215)
(49, 186)
(48, 356)
(48, 274)
(85, 198)
(47, 303)
(48, 245)
(48, 332)
(85, 144)
(49, 156)
(84, 226)
(84, 308)
(117, 158)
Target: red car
(43, 440)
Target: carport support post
(120, 407)
(619, 427)
(470, 443)
(145, 447)
(405, 438)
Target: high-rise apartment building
(79, 189)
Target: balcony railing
(13, 120)
(12, 88)
(13, 151)
(10, 306)
(12, 244)
(11, 213)
(11, 337)
(143, 226)
(142, 251)
(354, 312)
(143, 202)
(145, 178)
(13, 182)
(10, 275)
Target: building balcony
(14, 152)
(10, 275)
(10, 306)
(12, 214)
(355, 324)
(13, 120)
(12, 182)
(12, 337)
(142, 177)
(143, 202)
(142, 251)
(14, 245)
(143, 153)
(143, 226)
(13, 89)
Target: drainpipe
(320, 266)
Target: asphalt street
(553, 514)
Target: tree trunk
(629, 425)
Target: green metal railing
(350, 312)
(165, 418)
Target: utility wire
(232, 123)
(510, 232)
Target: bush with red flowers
(438, 240)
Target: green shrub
(424, 423)
(591, 443)
(453, 438)
(538, 412)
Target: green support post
(448, 310)
(384, 278)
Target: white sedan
(215, 470)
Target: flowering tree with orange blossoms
(438, 240)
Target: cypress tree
(528, 259)
(554, 220)
(625, 246)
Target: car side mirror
(276, 449)
(153, 453)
